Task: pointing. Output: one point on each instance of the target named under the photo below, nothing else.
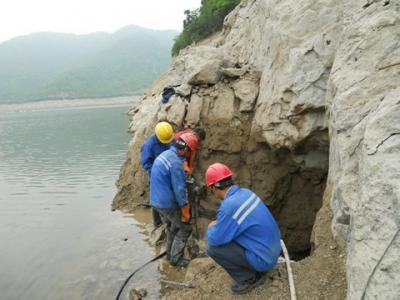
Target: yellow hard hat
(164, 132)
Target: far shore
(48, 104)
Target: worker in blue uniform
(168, 197)
(151, 148)
(244, 239)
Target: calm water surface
(58, 237)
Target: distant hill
(57, 65)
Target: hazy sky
(20, 17)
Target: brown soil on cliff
(290, 181)
(319, 276)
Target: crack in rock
(356, 147)
(382, 142)
(378, 263)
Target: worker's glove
(185, 213)
(187, 168)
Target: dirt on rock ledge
(268, 105)
(319, 276)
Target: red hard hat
(217, 172)
(191, 140)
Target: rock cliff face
(287, 91)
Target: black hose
(137, 270)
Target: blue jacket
(243, 218)
(167, 180)
(151, 148)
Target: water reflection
(59, 239)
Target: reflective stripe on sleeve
(249, 210)
(243, 206)
(164, 161)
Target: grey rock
(247, 92)
(198, 267)
(194, 110)
(184, 90)
(223, 105)
(137, 294)
(196, 65)
(209, 73)
(233, 72)
(174, 111)
(365, 150)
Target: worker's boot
(156, 218)
(178, 245)
(183, 262)
(246, 286)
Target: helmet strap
(224, 183)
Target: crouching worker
(245, 239)
(168, 198)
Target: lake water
(58, 237)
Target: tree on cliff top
(202, 22)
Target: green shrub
(202, 22)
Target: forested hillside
(202, 22)
(64, 66)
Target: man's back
(167, 182)
(244, 219)
(151, 148)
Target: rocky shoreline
(51, 104)
(294, 99)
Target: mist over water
(59, 239)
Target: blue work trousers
(232, 258)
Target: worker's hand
(185, 213)
(212, 224)
(187, 168)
